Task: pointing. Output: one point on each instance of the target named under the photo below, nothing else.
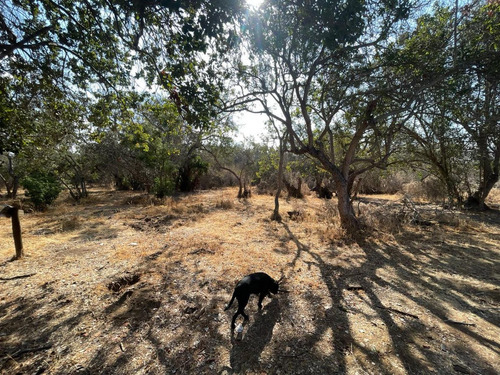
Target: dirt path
(119, 288)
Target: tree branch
(8, 49)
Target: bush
(163, 187)
(41, 188)
(430, 189)
(382, 182)
(224, 204)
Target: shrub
(430, 189)
(163, 187)
(41, 188)
(382, 182)
(387, 218)
(70, 224)
(224, 204)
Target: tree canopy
(146, 90)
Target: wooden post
(13, 213)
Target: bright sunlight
(254, 3)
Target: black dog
(257, 283)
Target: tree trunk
(240, 190)
(348, 218)
(489, 175)
(276, 213)
(15, 187)
(7, 185)
(16, 232)
(346, 211)
(355, 189)
(247, 192)
(451, 187)
(83, 185)
(477, 200)
(13, 213)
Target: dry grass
(115, 287)
(494, 198)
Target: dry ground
(117, 285)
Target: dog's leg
(261, 298)
(233, 322)
(242, 303)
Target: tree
(282, 139)
(420, 57)
(181, 46)
(42, 188)
(51, 49)
(313, 67)
(55, 49)
(238, 159)
(438, 147)
(53, 55)
(9, 176)
(456, 119)
(154, 149)
(43, 120)
(477, 105)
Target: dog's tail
(230, 302)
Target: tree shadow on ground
(409, 292)
(246, 352)
(164, 329)
(340, 325)
(420, 291)
(33, 325)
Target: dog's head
(276, 285)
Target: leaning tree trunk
(477, 200)
(348, 218)
(489, 168)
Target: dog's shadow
(246, 352)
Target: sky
(250, 125)
(254, 3)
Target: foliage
(239, 160)
(66, 72)
(50, 51)
(477, 103)
(42, 188)
(353, 86)
(182, 48)
(314, 71)
(455, 125)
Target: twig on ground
(30, 350)
(17, 277)
(460, 323)
(397, 311)
(201, 251)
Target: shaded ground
(119, 286)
